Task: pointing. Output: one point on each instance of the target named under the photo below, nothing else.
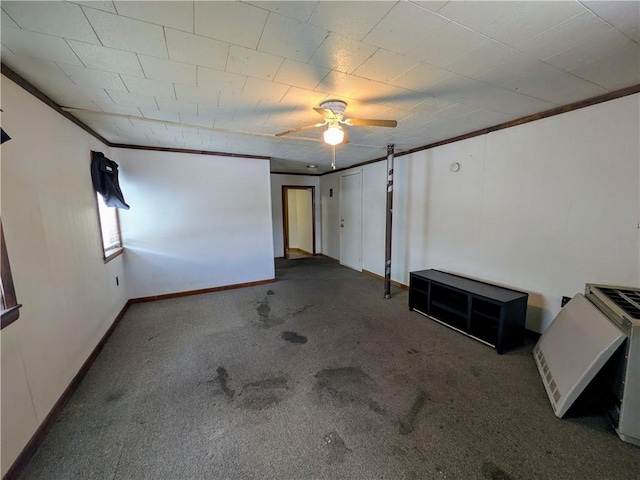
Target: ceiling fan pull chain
(333, 161)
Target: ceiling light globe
(333, 135)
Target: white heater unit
(583, 337)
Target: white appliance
(600, 329)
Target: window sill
(113, 253)
(10, 315)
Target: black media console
(491, 314)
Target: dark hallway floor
(315, 376)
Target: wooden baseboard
(38, 437)
(393, 282)
(188, 293)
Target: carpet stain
(299, 311)
(263, 394)
(294, 337)
(337, 449)
(223, 380)
(270, 292)
(264, 309)
(346, 386)
(491, 471)
(408, 423)
(115, 396)
(412, 351)
(475, 371)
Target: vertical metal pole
(387, 249)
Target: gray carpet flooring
(316, 376)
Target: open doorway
(299, 222)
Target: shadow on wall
(537, 315)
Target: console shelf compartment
(491, 314)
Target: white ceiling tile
(420, 77)
(168, 71)
(207, 110)
(145, 86)
(298, 10)
(177, 15)
(514, 103)
(154, 126)
(53, 18)
(290, 38)
(132, 99)
(72, 91)
(390, 32)
(304, 99)
(264, 90)
(528, 19)
(351, 19)
(485, 118)
(232, 22)
(449, 43)
(175, 106)
(106, 6)
(127, 34)
(485, 57)
(614, 72)
(249, 62)
(564, 36)
(7, 20)
(623, 15)
(42, 74)
(159, 114)
(119, 109)
(195, 49)
(341, 53)
(480, 16)
(512, 69)
(214, 80)
(38, 45)
(108, 59)
(90, 78)
(384, 66)
(596, 48)
(457, 110)
(300, 74)
(198, 120)
(194, 95)
(555, 86)
(432, 5)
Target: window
(10, 306)
(110, 229)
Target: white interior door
(351, 220)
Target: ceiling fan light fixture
(333, 135)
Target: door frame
(285, 215)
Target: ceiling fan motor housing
(338, 107)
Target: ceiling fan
(333, 113)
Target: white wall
(292, 218)
(277, 181)
(544, 207)
(196, 221)
(69, 294)
(304, 220)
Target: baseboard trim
(188, 293)
(38, 437)
(393, 282)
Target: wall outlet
(117, 281)
(565, 300)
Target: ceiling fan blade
(326, 113)
(369, 122)
(308, 127)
